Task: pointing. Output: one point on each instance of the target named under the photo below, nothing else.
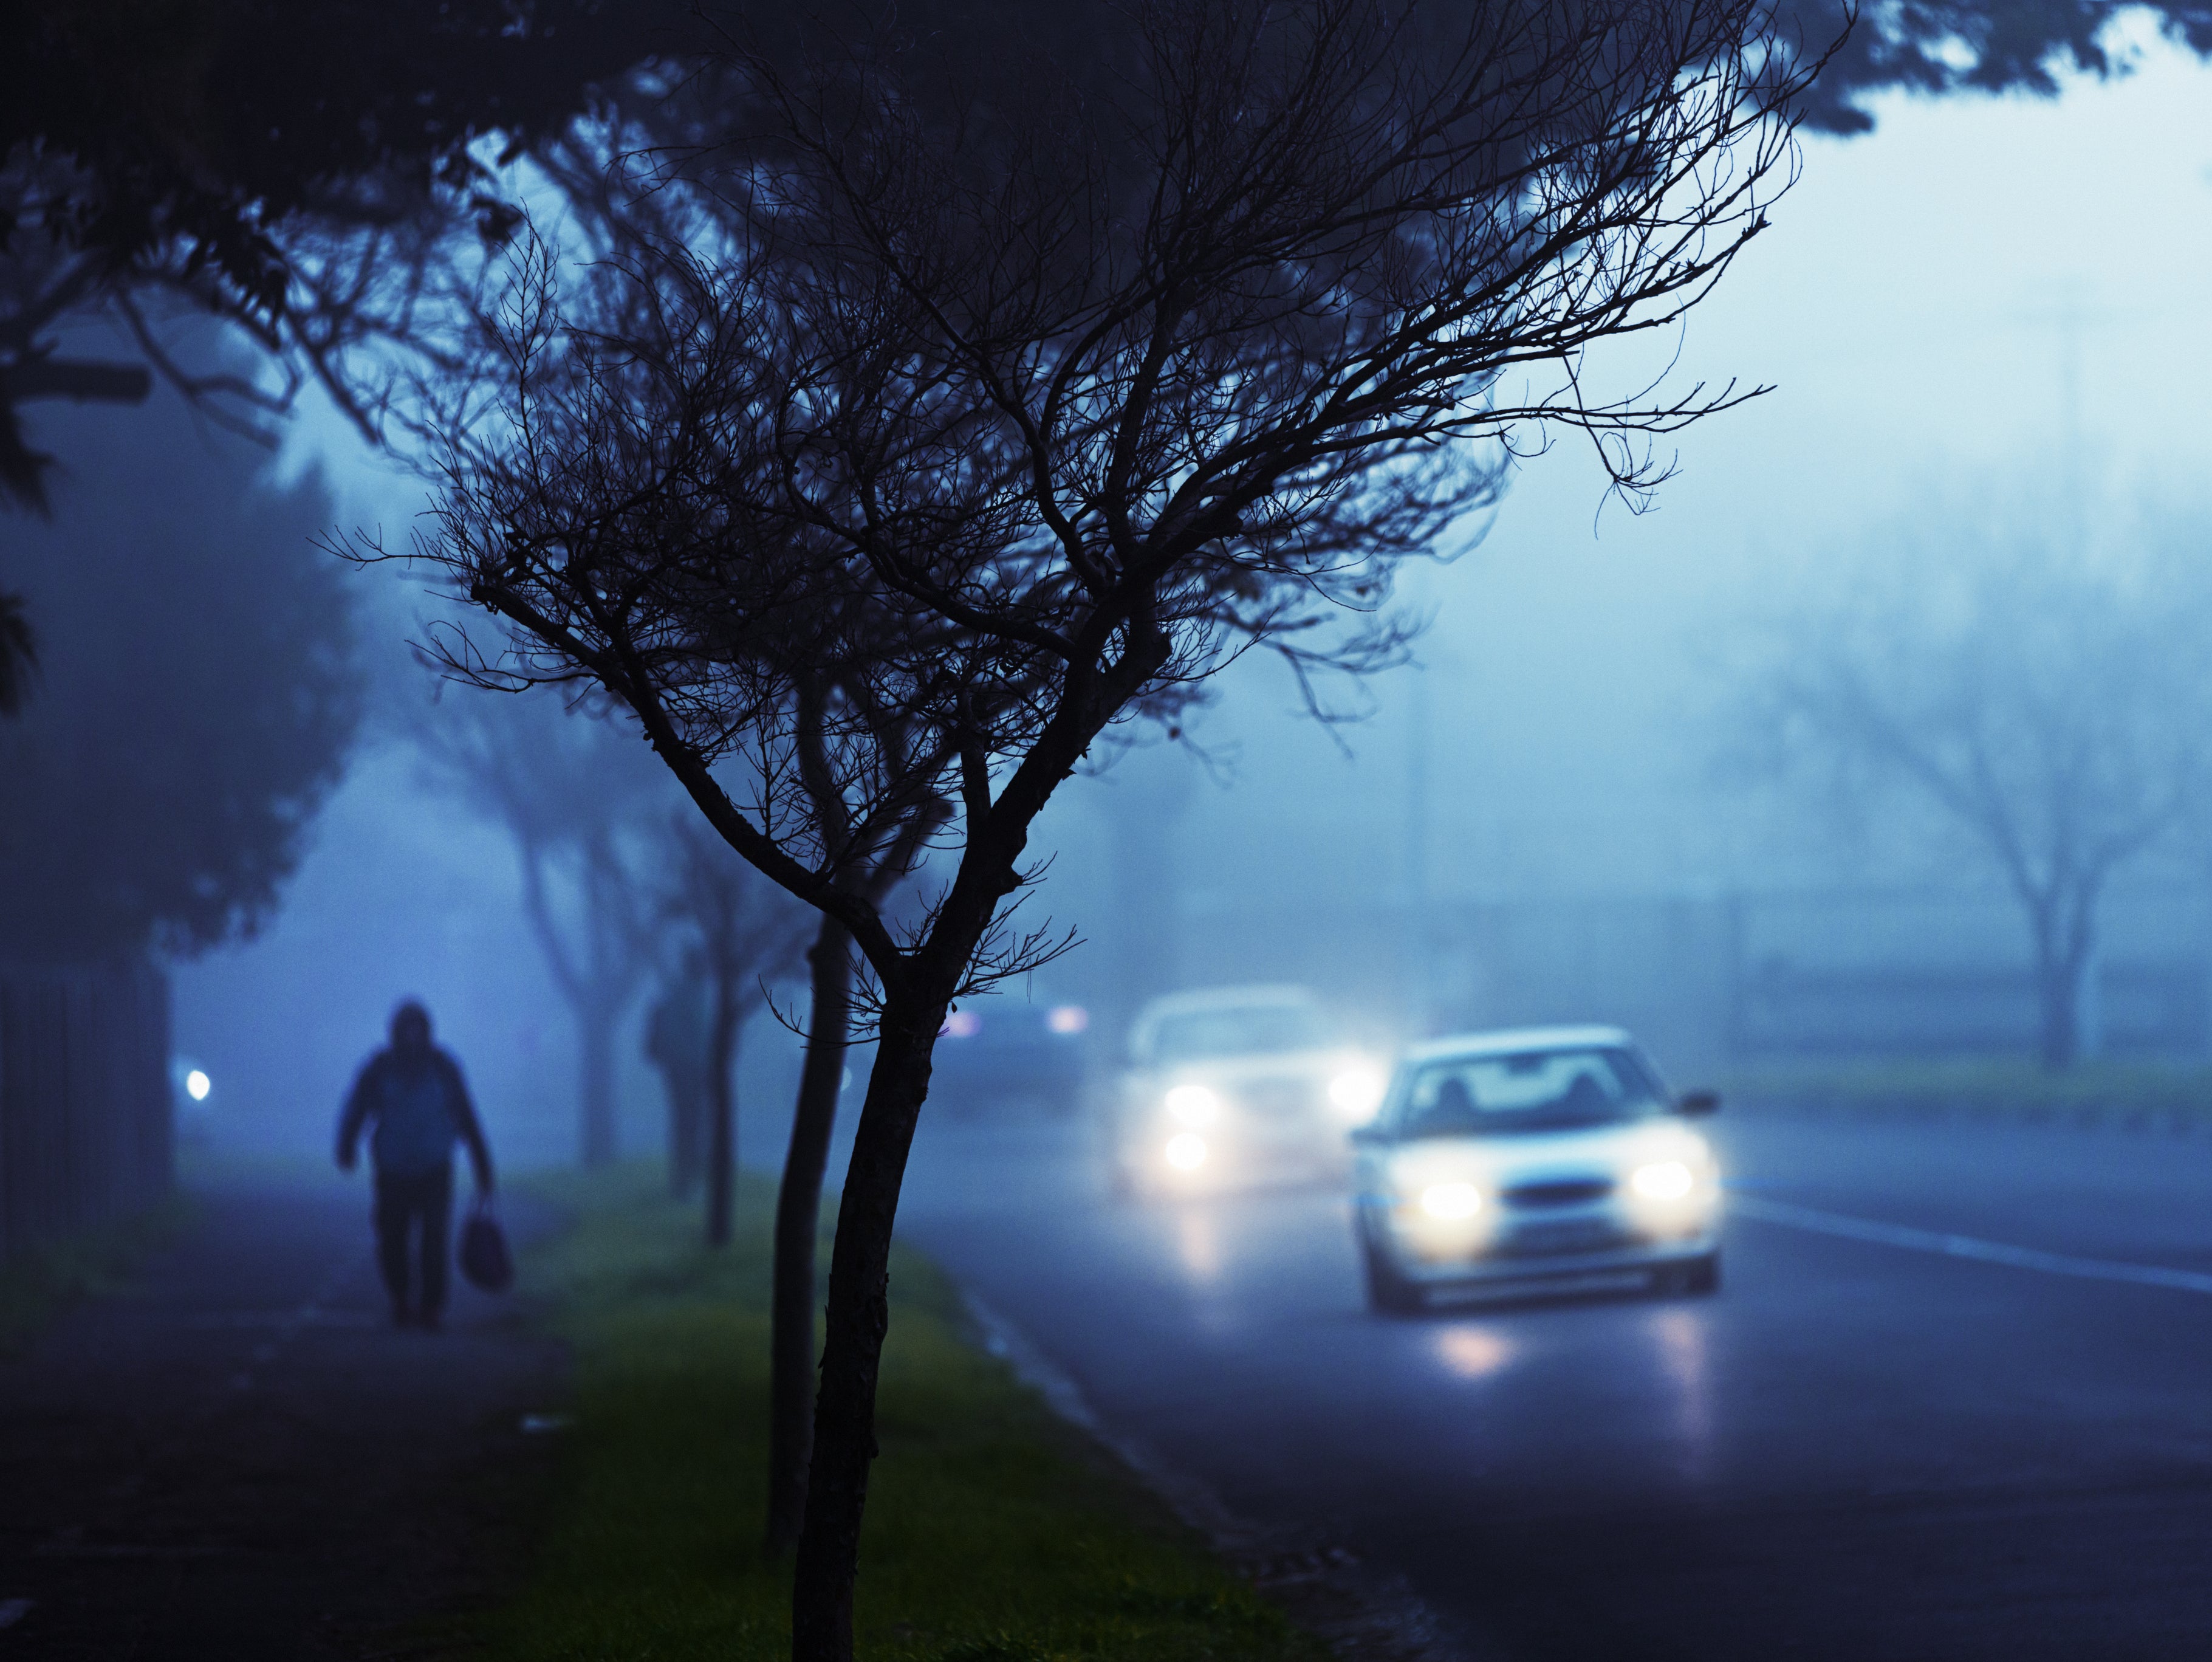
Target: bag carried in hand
(484, 1257)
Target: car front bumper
(1597, 1241)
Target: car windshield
(1529, 1090)
(1252, 1030)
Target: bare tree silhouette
(747, 933)
(2053, 712)
(1085, 398)
(574, 794)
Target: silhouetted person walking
(414, 1093)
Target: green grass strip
(994, 1533)
(40, 1283)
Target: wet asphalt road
(1953, 1401)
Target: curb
(1363, 1615)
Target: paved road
(1955, 1400)
(237, 1459)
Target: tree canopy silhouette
(1088, 395)
(198, 697)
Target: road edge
(1361, 1613)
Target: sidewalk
(240, 1460)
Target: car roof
(1509, 1041)
(1272, 994)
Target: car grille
(1564, 1192)
(1279, 1098)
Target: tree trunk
(2062, 941)
(721, 1114)
(687, 1129)
(595, 1046)
(798, 1220)
(860, 1313)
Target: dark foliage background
(197, 695)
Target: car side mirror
(1696, 1104)
(1368, 1136)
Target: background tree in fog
(676, 1045)
(323, 178)
(19, 655)
(199, 692)
(744, 935)
(579, 797)
(2051, 708)
(1094, 395)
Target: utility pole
(1420, 967)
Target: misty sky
(1906, 305)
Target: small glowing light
(1474, 1353)
(1451, 1202)
(1186, 1152)
(1357, 1091)
(962, 1024)
(1193, 1104)
(1067, 1019)
(1668, 1180)
(197, 1085)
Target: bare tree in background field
(2052, 710)
(572, 793)
(1086, 396)
(747, 933)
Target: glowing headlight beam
(1185, 1151)
(1451, 1203)
(1357, 1091)
(1193, 1104)
(1664, 1180)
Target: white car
(1542, 1153)
(1238, 1086)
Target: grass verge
(2090, 1090)
(38, 1285)
(994, 1533)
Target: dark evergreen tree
(197, 695)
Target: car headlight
(1185, 1151)
(1451, 1203)
(1662, 1180)
(1357, 1092)
(1193, 1104)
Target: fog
(1985, 301)
(1670, 1121)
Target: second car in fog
(1008, 1055)
(1236, 1086)
(1534, 1154)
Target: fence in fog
(85, 1112)
(1713, 979)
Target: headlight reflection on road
(1680, 1338)
(1198, 1244)
(1473, 1352)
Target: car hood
(1608, 1152)
(1230, 1072)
